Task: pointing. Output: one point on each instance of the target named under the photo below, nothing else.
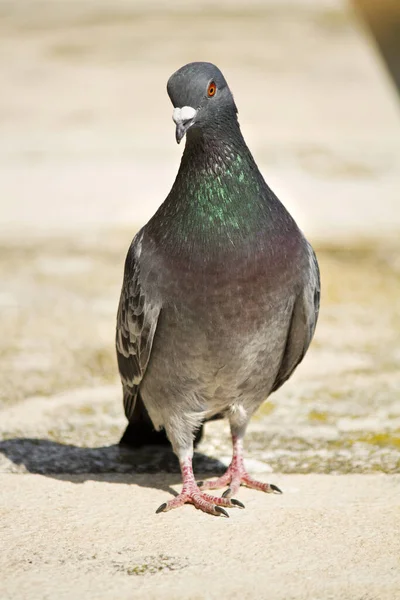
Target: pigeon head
(201, 97)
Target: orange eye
(212, 88)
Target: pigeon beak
(183, 119)
(179, 132)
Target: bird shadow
(114, 463)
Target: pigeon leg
(193, 495)
(236, 475)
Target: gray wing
(302, 324)
(136, 324)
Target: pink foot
(193, 495)
(235, 479)
(236, 475)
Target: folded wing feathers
(136, 324)
(302, 324)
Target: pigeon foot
(208, 504)
(235, 476)
(234, 481)
(191, 494)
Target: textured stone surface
(96, 536)
(85, 120)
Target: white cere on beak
(184, 114)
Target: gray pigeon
(221, 290)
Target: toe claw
(221, 511)
(237, 503)
(161, 508)
(200, 483)
(226, 493)
(275, 488)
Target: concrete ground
(96, 536)
(87, 153)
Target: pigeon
(220, 295)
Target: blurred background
(87, 154)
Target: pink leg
(236, 475)
(191, 494)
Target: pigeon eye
(212, 88)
